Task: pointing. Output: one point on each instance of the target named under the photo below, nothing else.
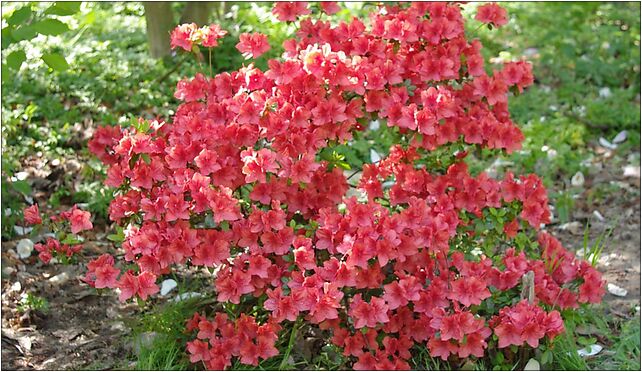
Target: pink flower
(146, 285)
(329, 7)
(32, 215)
(211, 35)
(252, 45)
(290, 10)
(182, 36)
(128, 286)
(492, 13)
(106, 276)
(80, 220)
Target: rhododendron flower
(329, 7)
(290, 10)
(106, 276)
(211, 34)
(32, 215)
(182, 36)
(80, 220)
(142, 285)
(492, 13)
(526, 323)
(252, 45)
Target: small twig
(210, 52)
(359, 170)
(528, 286)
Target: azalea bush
(64, 241)
(248, 180)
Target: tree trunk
(198, 12)
(160, 22)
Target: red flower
(146, 285)
(211, 35)
(440, 348)
(252, 45)
(469, 291)
(182, 36)
(525, 323)
(290, 10)
(199, 351)
(106, 276)
(368, 314)
(492, 13)
(80, 220)
(128, 285)
(329, 7)
(32, 215)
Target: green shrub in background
(586, 61)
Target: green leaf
(547, 357)
(64, 8)
(15, 59)
(71, 240)
(20, 15)
(5, 70)
(7, 39)
(50, 26)
(23, 33)
(118, 238)
(55, 61)
(22, 187)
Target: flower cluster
(239, 182)
(75, 219)
(525, 323)
(189, 35)
(53, 248)
(221, 339)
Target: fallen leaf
(22, 230)
(186, 296)
(620, 137)
(578, 179)
(532, 365)
(374, 156)
(167, 286)
(24, 248)
(615, 290)
(574, 227)
(605, 143)
(25, 344)
(590, 350)
(631, 171)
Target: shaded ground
(83, 330)
(80, 330)
(612, 192)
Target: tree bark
(160, 21)
(198, 12)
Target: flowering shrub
(64, 245)
(246, 180)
